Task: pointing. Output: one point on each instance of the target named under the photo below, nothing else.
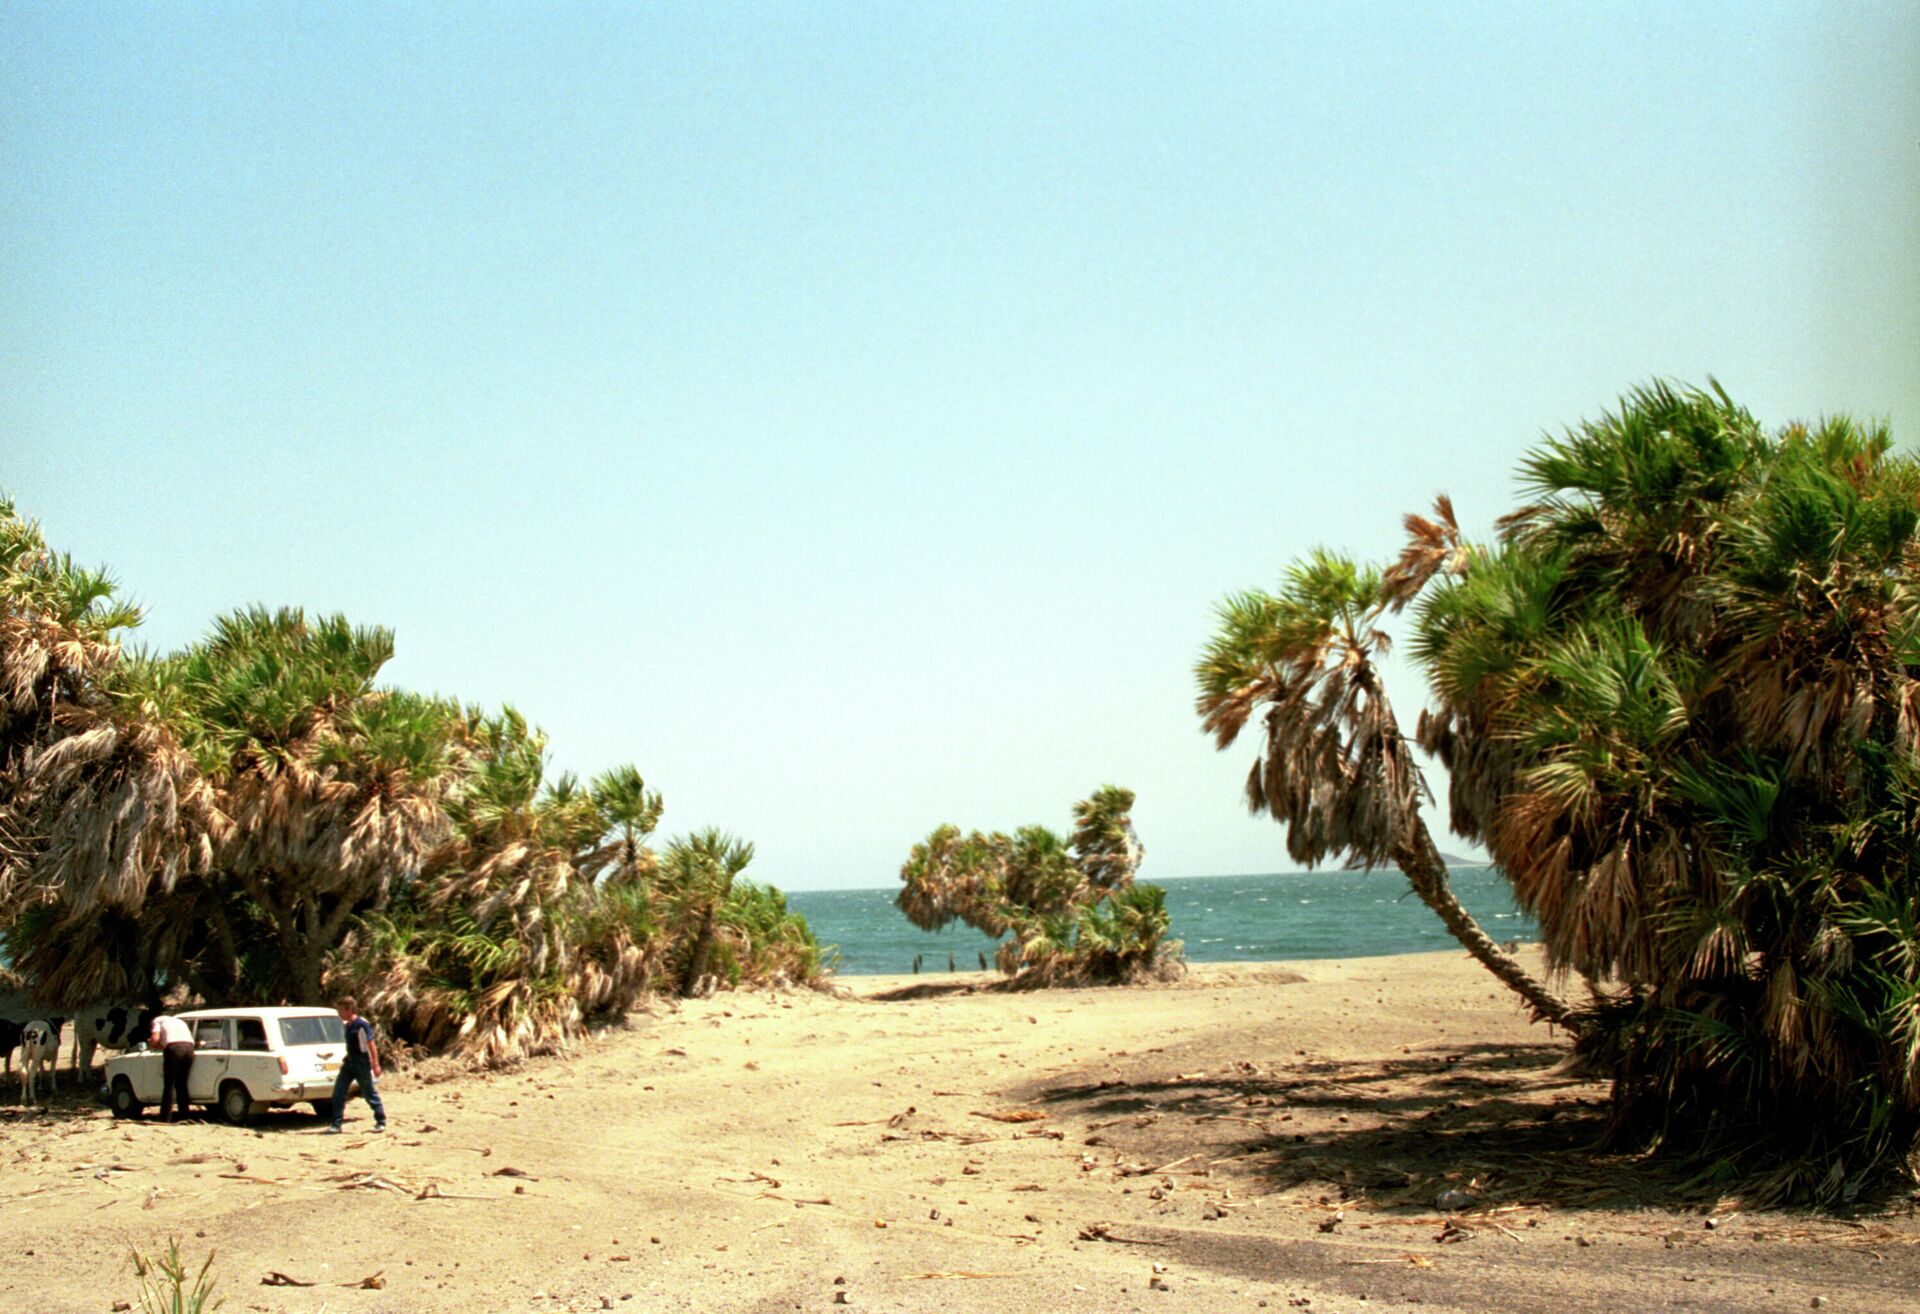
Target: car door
(212, 1050)
(253, 1060)
(143, 1070)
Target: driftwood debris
(275, 1278)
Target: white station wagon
(246, 1061)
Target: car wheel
(125, 1103)
(323, 1110)
(236, 1105)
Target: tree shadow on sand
(1503, 1123)
(69, 1106)
(75, 1098)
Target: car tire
(125, 1103)
(323, 1110)
(236, 1103)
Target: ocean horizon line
(1331, 869)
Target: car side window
(253, 1033)
(210, 1033)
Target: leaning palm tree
(1067, 908)
(1333, 766)
(951, 877)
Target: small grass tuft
(163, 1282)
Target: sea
(1288, 915)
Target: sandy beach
(1269, 1136)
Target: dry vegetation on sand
(1255, 1137)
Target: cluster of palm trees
(256, 817)
(1068, 907)
(1678, 697)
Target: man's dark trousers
(175, 1060)
(357, 1069)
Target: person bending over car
(359, 1068)
(175, 1042)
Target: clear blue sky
(850, 414)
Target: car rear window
(311, 1031)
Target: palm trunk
(1426, 871)
(703, 942)
(310, 958)
(701, 951)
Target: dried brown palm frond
(117, 811)
(89, 801)
(1433, 547)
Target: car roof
(268, 1013)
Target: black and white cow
(13, 1030)
(107, 1026)
(39, 1048)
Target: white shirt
(168, 1030)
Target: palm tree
(631, 812)
(1680, 706)
(1063, 906)
(332, 787)
(699, 872)
(949, 877)
(1333, 766)
(1106, 847)
(103, 821)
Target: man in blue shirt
(360, 1066)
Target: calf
(39, 1047)
(107, 1026)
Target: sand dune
(1259, 1136)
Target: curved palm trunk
(1426, 871)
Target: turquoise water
(1322, 914)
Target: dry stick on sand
(1102, 1232)
(275, 1278)
(774, 1195)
